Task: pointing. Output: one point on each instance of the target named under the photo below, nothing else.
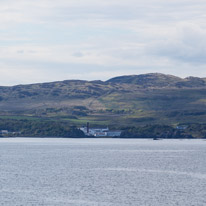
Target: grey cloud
(189, 45)
(152, 11)
(61, 11)
(142, 36)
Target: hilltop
(158, 80)
(120, 101)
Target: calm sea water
(102, 172)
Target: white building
(94, 131)
(4, 131)
(100, 132)
(181, 127)
(114, 133)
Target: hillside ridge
(149, 79)
(159, 80)
(125, 100)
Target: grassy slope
(127, 100)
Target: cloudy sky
(50, 40)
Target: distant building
(99, 132)
(8, 133)
(4, 132)
(114, 133)
(181, 127)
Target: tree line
(30, 128)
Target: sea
(102, 172)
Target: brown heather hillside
(126, 100)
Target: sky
(53, 40)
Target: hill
(160, 80)
(121, 101)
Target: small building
(99, 132)
(4, 132)
(94, 131)
(114, 133)
(181, 127)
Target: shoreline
(150, 138)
